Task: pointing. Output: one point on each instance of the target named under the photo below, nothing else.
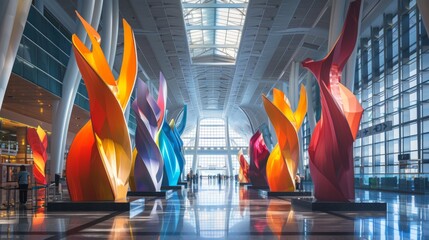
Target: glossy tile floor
(209, 210)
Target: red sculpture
(258, 153)
(38, 142)
(243, 175)
(331, 145)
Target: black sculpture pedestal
(184, 184)
(161, 194)
(312, 204)
(245, 184)
(177, 187)
(248, 187)
(63, 206)
(267, 193)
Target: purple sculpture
(148, 165)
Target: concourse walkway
(212, 210)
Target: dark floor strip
(85, 226)
(78, 229)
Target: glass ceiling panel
(214, 29)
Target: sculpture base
(177, 187)
(310, 203)
(61, 206)
(184, 184)
(161, 194)
(245, 184)
(268, 193)
(248, 187)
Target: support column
(338, 13)
(91, 11)
(350, 68)
(197, 136)
(293, 89)
(115, 28)
(106, 35)
(311, 115)
(293, 96)
(228, 147)
(40, 5)
(13, 16)
(423, 6)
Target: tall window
(212, 146)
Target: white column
(106, 35)
(195, 157)
(350, 68)
(115, 28)
(338, 13)
(311, 115)
(293, 90)
(88, 10)
(228, 147)
(40, 5)
(13, 16)
(423, 6)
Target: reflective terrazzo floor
(209, 210)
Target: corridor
(209, 210)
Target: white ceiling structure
(220, 56)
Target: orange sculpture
(38, 142)
(100, 157)
(283, 161)
(243, 174)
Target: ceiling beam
(214, 5)
(193, 46)
(199, 27)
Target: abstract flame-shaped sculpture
(148, 163)
(243, 173)
(99, 160)
(169, 146)
(283, 161)
(258, 153)
(331, 146)
(38, 142)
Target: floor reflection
(212, 209)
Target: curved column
(423, 6)
(71, 81)
(115, 28)
(106, 35)
(228, 146)
(13, 16)
(338, 13)
(339, 9)
(350, 69)
(195, 157)
(311, 115)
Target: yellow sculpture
(99, 160)
(283, 161)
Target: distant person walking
(23, 179)
(298, 182)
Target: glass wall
(392, 84)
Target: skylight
(214, 29)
